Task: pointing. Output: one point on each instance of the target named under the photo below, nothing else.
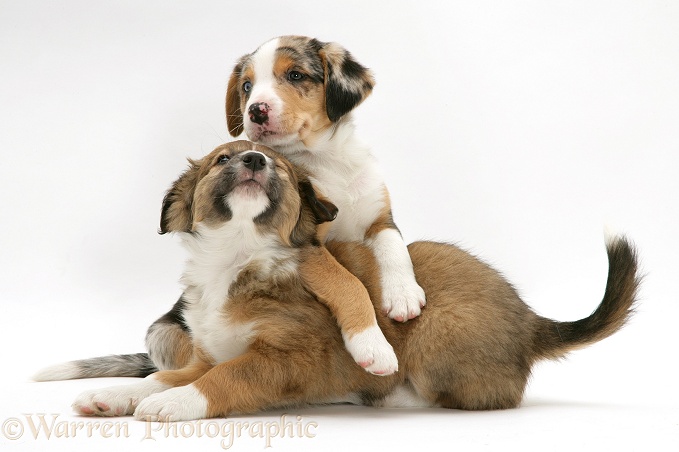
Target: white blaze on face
(277, 129)
(263, 89)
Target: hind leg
(473, 395)
(168, 340)
(489, 390)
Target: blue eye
(223, 159)
(295, 76)
(247, 86)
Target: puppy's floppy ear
(314, 210)
(234, 117)
(177, 211)
(322, 209)
(347, 83)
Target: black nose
(259, 112)
(254, 161)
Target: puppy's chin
(282, 132)
(272, 138)
(249, 189)
(247, 200)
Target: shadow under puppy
(259, 339)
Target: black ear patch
(347, 82)
(322, 209)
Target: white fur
(264, 90)
(372, 351)
(217, 257)
(263, 84)
(116, 400)
(611, 234)
(349, 176)
(404, 396)
(65, 371)
(402, 297)
(183, 403)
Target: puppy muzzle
(253, 168)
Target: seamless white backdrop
(515, 129)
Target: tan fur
(290, 206)
(472, 348)
(185, 375)
(384, 219)
(338, 289)
(183, 347)
(234, 114)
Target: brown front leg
(339, 290)
(349, 302)
(251, 382)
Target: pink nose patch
(259, 112)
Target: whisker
(217, 133)
(234, 128)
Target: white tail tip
(611, 234)
(65, 371)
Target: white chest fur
(217, 255)
(345, 171)
(212, 329)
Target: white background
(515, 129)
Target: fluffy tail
(167, 340)
(555, 339)
(134, 365)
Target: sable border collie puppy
(260, 339)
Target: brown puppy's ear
(347, 83)
(176, 214)
(234, 117)
(322, 209)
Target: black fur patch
(348, 83)
(323, 211)
(175, 315)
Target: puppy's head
(293, 88)
(247, 182)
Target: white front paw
(370, 350)
(402, 297)
(184, 403)
(402, 300)
(116, 400)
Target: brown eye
(223, 159)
